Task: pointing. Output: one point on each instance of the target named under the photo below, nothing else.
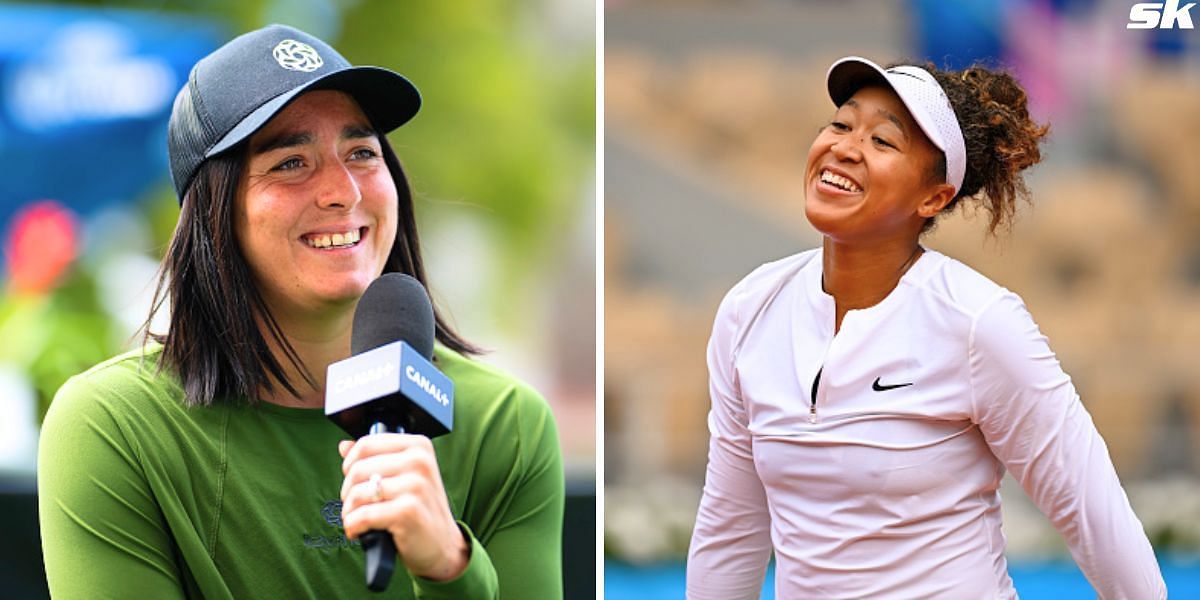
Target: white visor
(920, 93)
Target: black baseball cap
(234, 91)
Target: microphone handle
(378, 545)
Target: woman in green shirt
(202, 464)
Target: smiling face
(316, 209)
(868, 173)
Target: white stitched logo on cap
(297, 56)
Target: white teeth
(340, 240)
(839, 181)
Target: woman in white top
(868, 395)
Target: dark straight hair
(215, 341)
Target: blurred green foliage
(507, 129)
(54, 337)
(508, 122)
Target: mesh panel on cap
(187, 139)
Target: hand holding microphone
(391, 396)
(409, 502)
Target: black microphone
(389, 384)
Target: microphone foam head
(395, 307)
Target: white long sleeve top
(870, 460)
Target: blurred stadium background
(710, 108)
(502, 158)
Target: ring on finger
(376, 483)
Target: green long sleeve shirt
(143, 497)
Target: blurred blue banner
(84, 99)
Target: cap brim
(852, 73)
(849, 75)
(386, 97)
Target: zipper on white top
(816, 384)
(812, 411)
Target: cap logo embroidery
(297, 56)
(905, 73)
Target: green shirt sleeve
(478, 580)
(527, 547)
(523, 552)
(102, 533)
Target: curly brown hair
(1001, 139)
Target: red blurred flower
(41, 244)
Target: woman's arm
(526, 547)
(103, 535)
(731, 542)
(1032, 419)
